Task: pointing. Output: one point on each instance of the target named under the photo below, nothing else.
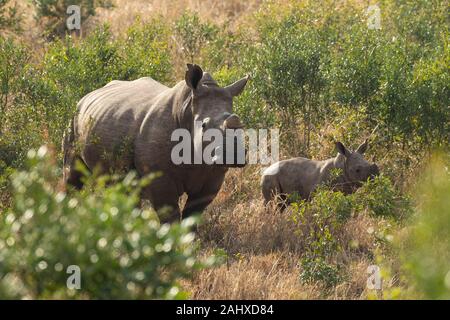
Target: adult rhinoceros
(127, 125)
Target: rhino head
(212, 114)
(356, 168)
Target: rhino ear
(363, 147)
(236, 88)
(193, 75)
(342, 149)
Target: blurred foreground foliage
(122, 251)
(424, 244)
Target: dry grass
(125, 12)
(264, 249)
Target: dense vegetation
(318, 73)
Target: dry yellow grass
(125, 12)
(264, 249)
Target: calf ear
(193, 75)
(363, 147)
(342, 149)
(236, 88)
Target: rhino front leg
(163, 196)
(197, 202)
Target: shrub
(425, 251)
(321, 222)
(193, 35)
(121, 250)
(317, 269)
(145, 51)
(379, 198)
(13, 60)
(13, 57)
(356, 67)
(288, 65)
(248, 105)
(71, 69)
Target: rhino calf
(302, 176)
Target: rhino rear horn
(193, 75)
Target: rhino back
(299, 175)
(109, 118)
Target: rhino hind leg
(272, 191)
(72, 176)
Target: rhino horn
(233, 122)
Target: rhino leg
(70, 174)
(197, 202)
(163, 195)
(271, 190)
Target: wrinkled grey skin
(127, 125)
(302, 176)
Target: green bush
(308, 56)
(192, 35)
(13, 57)
(321, 222)
(317, 269)
(379, 198)
(288, 68)
(13, 60)
(425, 251)
(72, 68)
(145, 51)
(122, 251)
(356, 67)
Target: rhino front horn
(233, 122)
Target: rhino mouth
(234, 156)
